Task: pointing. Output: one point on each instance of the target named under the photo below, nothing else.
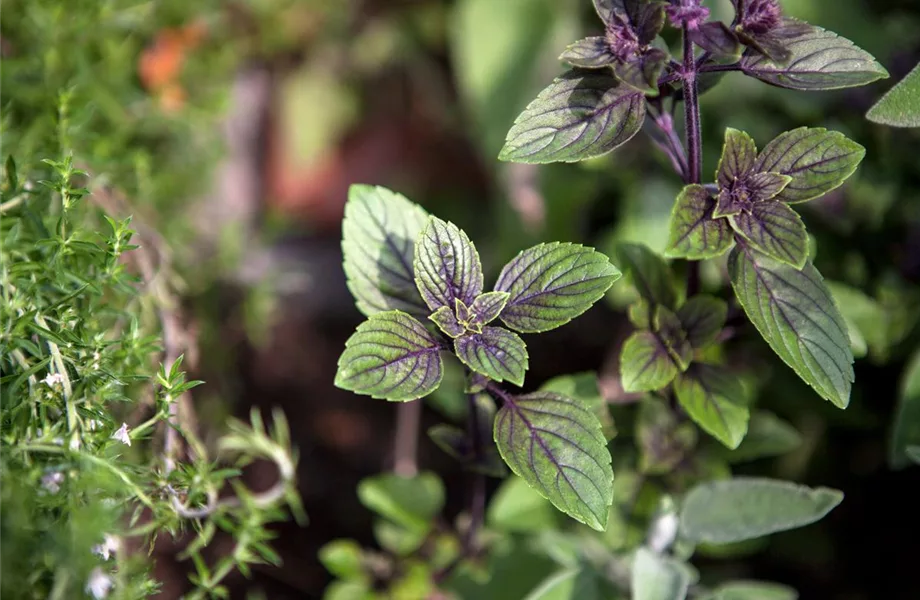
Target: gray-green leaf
(574, 584)
(818, 60)
(693, 232)
(767, 435)
(412, 502)
(378, 244)
(580, 115)
(743, 508)
(656, 577)
(558, 448)
(753, 590)
(551, 284)
(818, 161)
(715, 400)
(446, 265)
(390, 356)
(795, 313)
(906, 428)
(900, 106)
(496, 353)
(775, 230)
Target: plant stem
(408, 419)
(694, 172)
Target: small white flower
(52, 481)
(122, 435)
(53, 379)
(109, 546)
(99, 584)
(94, 424)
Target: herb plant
(420, 283)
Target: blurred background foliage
(235, 128)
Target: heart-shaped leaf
(774, 229)
(714, 399)
(557, 447)
(795, 313)
(447, 266)
(738, 155)
(693, 232)
(656, 577)
(580, 115)
(645, 363)
(906, 429)
(551, 284)
(589, 53)
(643, 71)
(390, 356)
(818, 161)
(496, 353)
(649, 274)
(743, 508)
(378, 243)
(767, 435)
(900, 106)
(817, 60)
(702, 318)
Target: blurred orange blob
(161, 63)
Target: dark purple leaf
(716, 38)
(496, 353)
(447, 265)
(643, 71)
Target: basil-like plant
(419, 281)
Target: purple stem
(692, 112)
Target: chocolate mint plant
(420, 283)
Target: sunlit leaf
(583, 388)
(496, 353)
(447, 322)
(390, 356)
(657, 577)
(750, 507)
(557, 447)
(580, 115)
(693, 232)
(715, 400)
(486, 307)
(551, 284)
(775, 230)
(900, 106)
(446, 265)
(412, 502)
(342, 558)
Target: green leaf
(412, 502)
(583, 388)
(343, 558)
(558, 448)
(662, 440)
(551, 284)
(656, 577)
(496, 353)
(589, 53)
(750, 507)
(447, 322)
(753, 590)
(486, 307)
(642, 72)
(649, 274)
(906, 427)
(913, 453)
(775, 230)
(702, 318)
(818, 161)
(580, 115)
(670, 332)
(378, 243)
(645, 363)
(867, 319)
(575, 584)
(795, 313)
(818, 60)
(767, 435)
(693, 232)
(390, 356)
(517, 507)
(738, 155)
(447, 266)
(715, 400)
(900, 106)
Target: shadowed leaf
(714, 399)
(447, 265)
(649, 274)
(589, 53)
(412, 502)
(496, 353)
(575, 584)
(693, 231)
(702, 318)
(642, 73)
(767, 435)
(776, 230)
(716, 38)
(906, 425)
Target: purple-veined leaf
(900, 106)
(795, 313)
(765, 186)
(670, 332)
(693, 232)
(447, 265)
(496, 353)
(818, 161)
(649, 274)
(645, 363)
(551, 284)
(642, 72)
(716, 38)
(447, 322)
(486, 307)
(580, 115)
(378, 243)
(775, 230)
(817, 60)
(558, 448)
(702, 318)
(770, 45)
(663, 441)
(738, 155)
(644, 17)
(715, 400)
(390, 356)
(589, 53)
(583, 388)
(744, 508)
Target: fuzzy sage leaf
(795, 313)
(580, 115)
(447, 266)
(390, 356)
(557, 447)
(496, 353)
(551, 284)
